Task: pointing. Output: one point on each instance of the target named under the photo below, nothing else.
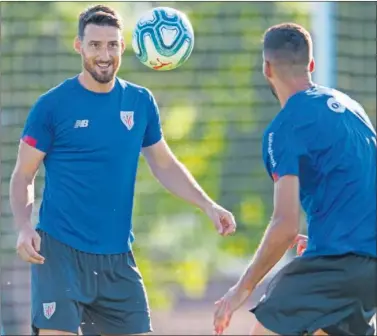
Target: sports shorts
(334, 293)
(72, 289)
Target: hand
(226, 306)
(28, 245)
(223, 220)
(302, 242)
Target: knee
(128, 335)
(259, 329)
(320, 332)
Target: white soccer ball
(163, 38)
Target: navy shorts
(103, 294)
(336, 294)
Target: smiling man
(89, 132)
(321, 150)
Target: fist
(301, 242)
(28, 245)
(222, 219)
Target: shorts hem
(35, 329)
(127, 332)
(326, 325)
(267, 324)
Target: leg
(127, 335)
(259, 330)
(322, 295)
(122, 305)
(320, 332)
(55, 290)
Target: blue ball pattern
(153, 29)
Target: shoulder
(292, 121)
(48, 102)
(306, 108)
(135, 89)
(321, 99)
(56, 93)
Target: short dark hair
(99, 15)
(288, 43)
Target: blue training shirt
(327, 140)
(92, 143)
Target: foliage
(214, 110)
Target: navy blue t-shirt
(92, 143)
(327, 140)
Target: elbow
(21, 180)
(19, 176)
(158, 167)
(288, 227)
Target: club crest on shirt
(49, 309)
(127, 118)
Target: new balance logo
(81, 123)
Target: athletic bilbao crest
(127, 118)
(49, 309)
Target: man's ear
(77, 44)
(311, 65)
(123, 45)
(267, 69)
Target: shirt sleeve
(38, 129)
(283, 151)
(153, 132)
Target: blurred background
(214, 110)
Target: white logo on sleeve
(81, 123)
(270, 151)
(49, 309)
(335, 106)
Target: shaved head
(287, 59)
(289, 45)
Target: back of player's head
(99, 15)
(288, 44)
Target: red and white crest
(127, 118)
(49, 309)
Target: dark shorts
(74, 289)
(336, 294)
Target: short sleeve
(38, 129)
(283, 150)
(153, 132)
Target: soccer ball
(163, 39)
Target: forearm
(274, 244)
(21, 199)
(178, 180)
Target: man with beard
(320, 148)
(89, 132)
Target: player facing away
(89, 131)
(320, 149)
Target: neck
(89, 83)
(291, 86)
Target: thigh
(360, 288)
(54, 289)
(122, 305)
(314, 293)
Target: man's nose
(104, 55)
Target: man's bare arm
(22, 184)
(175, 177)
(280, 234)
